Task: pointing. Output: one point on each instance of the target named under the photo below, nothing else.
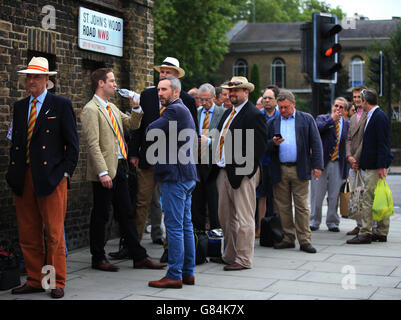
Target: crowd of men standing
(240, 155)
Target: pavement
(338, 271)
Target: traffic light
(326, 47)
(378, 71)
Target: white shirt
(222, 162)
(369, 116)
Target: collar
(238, 108)
(290, 117)
(102, 102)
(210, 110)
(40, 98)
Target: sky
(373, 9)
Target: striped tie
(31, 126)
(224, 134)
(334, 155)
(205, 126)
(120, 139)
(162, 108)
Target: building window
(240, 68)
(356, 76)
(277, 72)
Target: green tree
(193, 31)
(391, 51)
(255, 79)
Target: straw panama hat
(239, 82)
(38, 65)
(173, 63)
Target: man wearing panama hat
(239, 150)
(43, 156)
(153, 109)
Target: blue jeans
(176, 203)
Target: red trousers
(34, 214)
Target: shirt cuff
(137, 109)
(101, 174)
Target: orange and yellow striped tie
(334, 155)
(119, 138)
(205, 125)
(162, 108)
(224, 134)
(31, 126)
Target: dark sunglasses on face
(338, 106)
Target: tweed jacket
(353, 145)
(101, 138)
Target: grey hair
(174, 82)
(343, 100)
(207, 87)
(286, 94)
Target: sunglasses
(234, 83)
(338, 106)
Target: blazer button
(43, 147)
(45, 163)
(47, 131)
(16, 148)
(12, 162)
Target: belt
(288, 164)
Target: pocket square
(51, 117)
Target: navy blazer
(54, 146)
(173, 169)
(150, 105)
(309, 146)
(249, 118)
(327, 129)
(376, 142)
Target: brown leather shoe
(190, 280)
(57, 293)
(24, 289)
(234, 267)
(148, 263)
(367, 239)
(218, 260)
(353, 232)
(104, 265)
(307, 247)
(166, 283)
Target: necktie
(224, 134)
(119, 138)
(205, 126)
(334, 155)
(162, 108)
(31, 126)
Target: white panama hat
(173, 63)
(38, 65)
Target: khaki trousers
(291, 187)
(146, 185)
(32, 215)
(237, 218)
(371, 178)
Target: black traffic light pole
(389, 85)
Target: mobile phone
(278, 135)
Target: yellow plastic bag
(383, 202)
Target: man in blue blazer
(375, 159)
(333, 130)
(296, 150)
(43, 157)
(173, 157)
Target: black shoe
(360, 240)
(378, 238)
(284, 245)
(335, 229)
(159, 241)
(164, 257)
(307, 247)
(120, 255)
(314, 228)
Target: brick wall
(21, 35)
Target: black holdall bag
(9, 267)
(201, 244)
(271, 231)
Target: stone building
(51, 28)
(276, 49)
